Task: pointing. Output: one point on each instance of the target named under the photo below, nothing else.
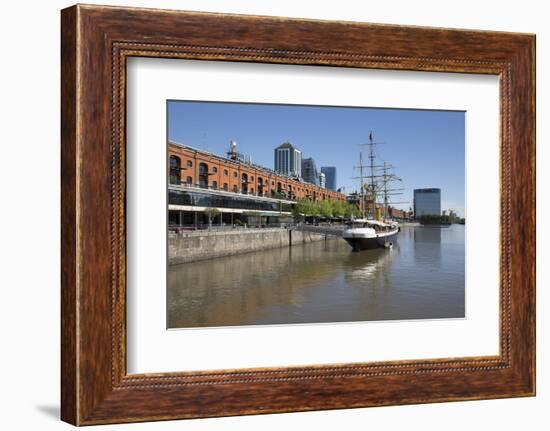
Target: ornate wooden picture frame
(96, 42)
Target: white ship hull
(367, 238)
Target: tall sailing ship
(374, 229)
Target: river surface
(421, 277)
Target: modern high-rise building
(427, 202)
(309, 171)
(330, 177)
(322, 180)
(288, 160)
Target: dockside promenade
(191, 246)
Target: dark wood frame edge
(95, 43)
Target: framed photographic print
(266, 215)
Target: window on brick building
(260, 186)
(175, 170)
(203, 175)
(244, 184)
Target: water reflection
(421, 277)
(364, 267)
(427, 240)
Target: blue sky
(426, 147)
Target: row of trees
(440, 219)
(308, 208)
(328, 209)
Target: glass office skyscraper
(427, 202)
(288, 160)
(330, 177)
(309, 171)
(322, 180)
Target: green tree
(351, 210)
(211, 213)
(339, 208)
(303, 207)
(434, 219)
(315, 209)
(325, 209)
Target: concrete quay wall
(199, 245)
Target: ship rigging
(374, 229)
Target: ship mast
(372, 186)
(361, 177)
(380, 176)
(361, 202)
(387, 177)
(372, 156)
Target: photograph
(281, 214)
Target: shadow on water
(420, 277)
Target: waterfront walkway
(190, 246)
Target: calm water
(421, 277)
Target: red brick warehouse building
(238, 189)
